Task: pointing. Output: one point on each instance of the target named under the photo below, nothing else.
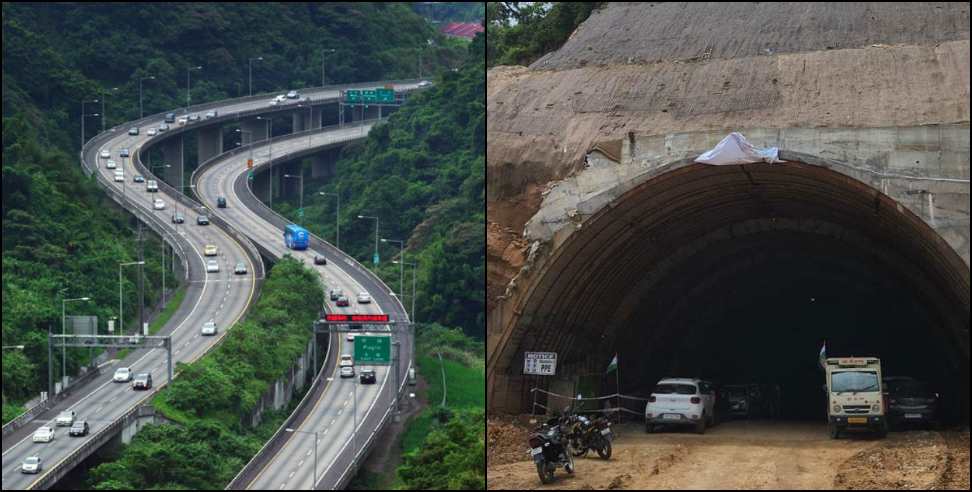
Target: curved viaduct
(736, 273)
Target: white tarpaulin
(735, 149)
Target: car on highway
(124, 153)
(110, 164)
(681, 401)
(122, 375)
(292, 95)
(346, 360)
(79, 429)
(170, 117)
(221, 201)
(411, 376)
(335, 294)
(320, 260)
(202, 220)
(210, 250)
(347, 372)
(193, 118)
(212, 266)
(31, 465)
(151, 186)
(273, 102)
(152, 132)
(209, 328)
(65, 418)
(142, 381)
(182, 120)
(910, 402)
(212, 114)
(177, 218)
(281, 98)
(363, 298)
(163, 128)
(368, 376)
(105, 153)
(240, 268)
(424, 83)
(158, 204)
(350, 337)
(138, 178)
(342, 301)
(119, 175)
(133, 130)
(43, 434)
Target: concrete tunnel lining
(681, 206)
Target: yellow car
(210, 250)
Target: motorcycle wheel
(546, 475)
(569, 467)
(605, 450)
(577, 448)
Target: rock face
(656, 69)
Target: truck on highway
(854, 396)
(296, 237)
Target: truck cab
(854, 396)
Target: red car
(343, 301)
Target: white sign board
(540, 363)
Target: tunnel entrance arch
(701, 267)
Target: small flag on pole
(823, 356)
(613, 365)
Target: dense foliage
(521, 32)
(211, 396)
(441, 12)
(422, 174)
(453, 456)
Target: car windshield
(33, 460)
(854, 381)
(78, 425)
(909, 389)
(674, 389)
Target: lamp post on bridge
(337, 214)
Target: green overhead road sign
(352, 96)
(374, 259)
(386, 95)
(369, 96)
(372, 349)
(300, 212)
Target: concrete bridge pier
(254, 129)
(172, 154)
(323, 164)
(210, 142)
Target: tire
(700, 427)
(834, 431)
(545, 475)
(605, 450)
(882, 431)
(649, 428)
(569, 467)
(577, 449)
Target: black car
(221, 202)
(736, 400)
(79, 428)
(202, 220)
(178, 219)
(367, 376)
(910, 402)
(139, 178)
(320, 260)
(142, 381)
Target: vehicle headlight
(875, 408)
(836, 408)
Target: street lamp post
(64, 332)
(337, 224)
(141, 112)
(316, 435)
(301, 206)
(188, 82)
(375, 259)
(121, 318)
(82, 119)
(259, 58)
(269, 159)
(324, 80)
(104, 95)
(414, 267)
(401, 256)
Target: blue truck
(296, 237)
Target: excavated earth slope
(661, 68)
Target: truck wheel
(834, 431)
(883, 430)
(700, 426)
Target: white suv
(681, 401)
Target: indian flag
(613, 366)
(823, 355)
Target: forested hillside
(59, 231)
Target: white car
(212, 114)
(163, 127)
(110, 164)
(212, 266)
(424, 83)
(105, 154)
(119, 175)
(133, 130)
(363, 298)
(209, 328)
(351, 337)
(210, 250)
(122, 375)
(346, 361)
(681, 401)
(273, 102)
(65, 418)
(292, 95)
(152, 132)
(182, 120)
(151, 185)
(347, 372)
(44, 434)
(31, 465)
(158, 204)
(281, 98)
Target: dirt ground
(753, 455)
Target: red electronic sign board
(356, 318)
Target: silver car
(212, 266)
(364, 298)
(209, 328)
(31, 465)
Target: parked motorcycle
(590, 434)
(548, 446)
